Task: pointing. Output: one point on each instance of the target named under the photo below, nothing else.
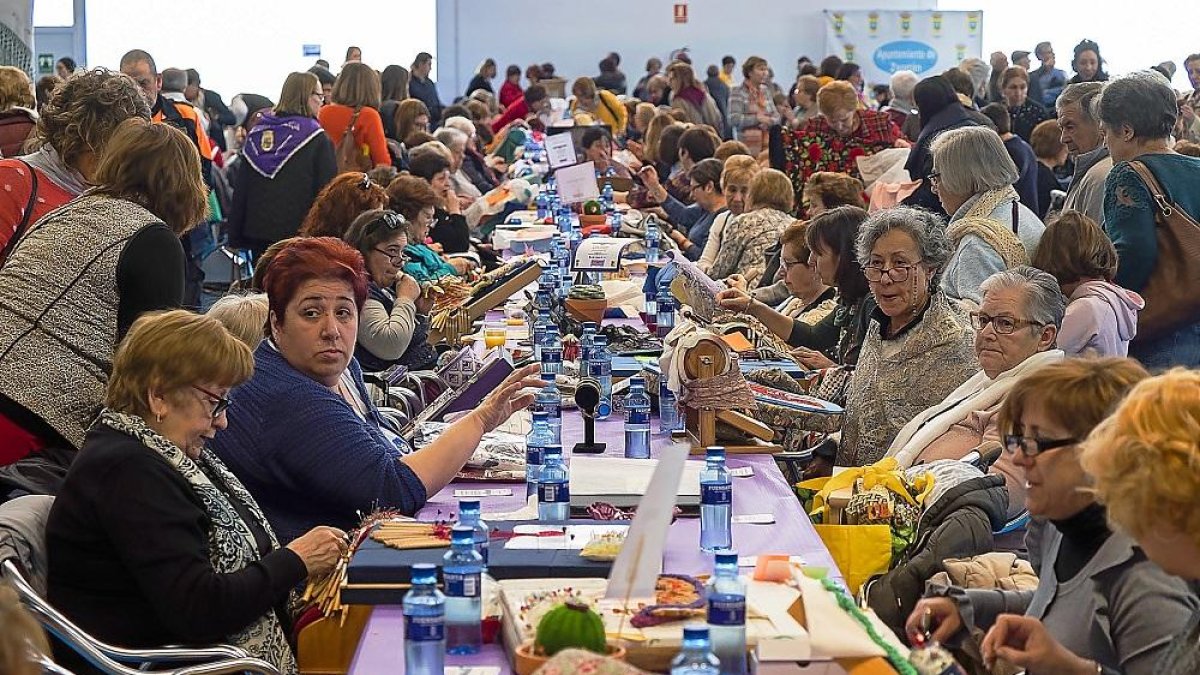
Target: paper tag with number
(493, 492)
(742, 472)
(755, 519)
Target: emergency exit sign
(680, 13)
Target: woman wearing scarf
(991, 230)
(751, 110)
(152, 540)
(691, 97)
(75, 126)
(288, 162)
(939, 109)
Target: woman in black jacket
(289, 159)
(939, 109)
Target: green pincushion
(571, 625)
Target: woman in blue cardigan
(304, 437)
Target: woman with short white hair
(990, 229)
(477, 167)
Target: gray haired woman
(919, 347)
(1137, 113)
(990, 229)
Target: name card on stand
(577, 183)
(599, 254)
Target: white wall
(241, 46)
(575, 39)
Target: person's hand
(812, 359)
(902, 143)
(465, 201)
(450, 201)
(462, 265)
(943, 618)
(496, 163)
(407, 287)
(734, 299)
(636, 148)
(320, 548)
(509, 397)
(738, 281)
(436, 247)
(424, 303)
(649, 176)
(1024, 641)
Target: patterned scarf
(231, 544)
(979, 222)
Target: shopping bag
(860, 551)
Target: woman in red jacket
(510, 91)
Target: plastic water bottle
(543, 204)
(665, 314)
(554, 488)
(653, 239)
(424, 623)
(615, 222)
(565, 280)
(470, 515)
(637, 420)
(587, 342)
(462, 569)
(549, 400)
(716, 501)
(574, 236)
(552, 351)
(669, 417)
(563, 219)
(696, 656)
(606, 194)
(536, 441)
(539, 333)
(727, 614)
(600, 367)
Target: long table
(381, 649)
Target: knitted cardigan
(304, 454)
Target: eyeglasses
(789, 264)
(1003, 325)
(1032, 447)
(221, 405)
(899, 273)
(935, 179)
(318, 94)
(397, 256)
(365, 183)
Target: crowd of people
(993, 255)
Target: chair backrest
(23, 537)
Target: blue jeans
(1180, 348)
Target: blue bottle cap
(540, 415)
(589, 325)
(552, 450)
(468, 505)
(695, 631)
(727, 557)
(601, 340)
(715, 452)
(424, 573)
(462, 534)
(637, 381)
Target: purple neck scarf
(275, 140)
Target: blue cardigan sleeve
(1129, 220)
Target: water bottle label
(716, 494)
(727, 611)
(599, 368)
(425, 628)
(553, 493)
(637, 416)
(534, 456)
(462, 585)
(481, 545)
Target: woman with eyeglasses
(288, 162)
(919, 346)
(415, 199)
(1108, 608)
(990, 229)
(151, 540)
(394, 324)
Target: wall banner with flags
(884, 41)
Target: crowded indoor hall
(431, 346)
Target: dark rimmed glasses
(1032, 447)
(1003, 325)
(220, 405)
(898, 274)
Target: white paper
(622, 482)
(527, 512)
(493, 492)
(635, 572)
(837, 634)
(600, 254)
(577, 183)
(560, 150)
(472, 670)
(754, 519)
(742, 472)
(572, 537)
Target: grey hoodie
(1101, 319)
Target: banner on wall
(884, 41)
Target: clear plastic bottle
(600, 367)
(727, 614)
(606, 194)
(554, 488)
(653, 240)
(669, 417)
(471, 515)
(587, 342)
(716, 502)
(548, 399)
(543, 204)
(424, 623)
(665, 310)
(462, 571)
(552, 351)
(637, 420)
(563, 219)
(537, 331)
(575, 235)
(696, 656)
(539, 438)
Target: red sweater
(509, 93)
(368, 131)
(15, 185)
(516, 111)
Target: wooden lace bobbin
(705, 361)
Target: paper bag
(860, 551)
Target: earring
(158, 418)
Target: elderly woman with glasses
(394, 324)
(990, 229)
(1108, 608)
(303, 434)
(919, 346)
(1015, 332)
(151, 540)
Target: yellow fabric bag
(860, 551)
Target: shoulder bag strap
(1165, 207)
(26, 217)
(1016, 214)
